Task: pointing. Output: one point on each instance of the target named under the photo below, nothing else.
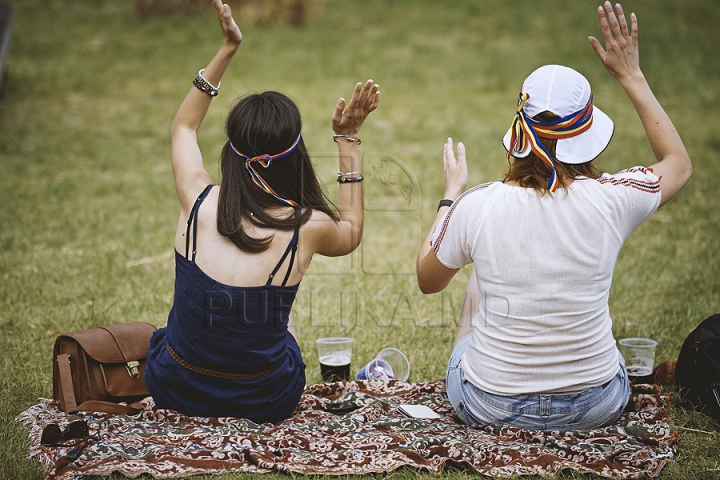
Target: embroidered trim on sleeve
(642, 185)
(446, 220)
(643, 170)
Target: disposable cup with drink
(335, 354)
(639, 354)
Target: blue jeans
(589, 408)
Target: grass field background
(88, 209)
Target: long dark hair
(265, 123)
(532, 172)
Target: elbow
(422, 285)
(425, 282)
(352, 247)
(345, 245)
(685, 173)
(356, 233)
(426, 289)
(356, 238)
(433, 277)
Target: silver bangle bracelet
(348, 138)
(204, 86)
(347, 174)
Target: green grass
(88, 205)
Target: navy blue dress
(226, 350)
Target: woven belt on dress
(215, 373)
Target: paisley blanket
(376, 437)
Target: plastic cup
(389, 364)
(639, 354)
(335, 354)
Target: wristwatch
(445, 203)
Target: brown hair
(266, 123)
(532, 172)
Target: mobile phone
(341, 408)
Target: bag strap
(67, 391)
(68, 403)
(109, 407)
(131, 364)
(118, 337)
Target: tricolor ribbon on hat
(266, 160)
(525, 129)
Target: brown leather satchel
(95, 369)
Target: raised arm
(188, 170)
(432, 275)
(340, 238)
(621, 58)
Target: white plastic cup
(639, 354)
(335, 354)
(389, 364)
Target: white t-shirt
(544, 266)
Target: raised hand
(454, 170)
(231, 32)
(347, 119)
(620, 55)
(621, 58)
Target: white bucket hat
(563, 91)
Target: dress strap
(291, 248)
(294, 243)
(192, 221)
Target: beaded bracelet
(348, 138)
(359, 178)
(203, 85)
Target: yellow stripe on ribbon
(526, 130)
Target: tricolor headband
(266, 160)
(524, 129)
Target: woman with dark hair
(535, 347)
(241, 249)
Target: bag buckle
(133, 369)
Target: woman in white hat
(535, 347)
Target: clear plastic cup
(639, 354)
(335, 354)
(389, 364)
